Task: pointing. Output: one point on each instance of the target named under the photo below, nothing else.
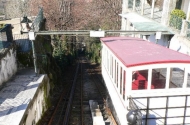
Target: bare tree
(79, 14)
(16, 8)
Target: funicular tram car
(148, 83)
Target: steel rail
(81, 95)
(67, 113)
(56, 109)
(66, 94)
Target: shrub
(179, 13)
(2, 25)
(176, 18)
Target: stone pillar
(134, 5)
(168, 6)
(125, 6)
(124, 11)
(184, 28)
(188, 12)
(142, 7)
(152, 10)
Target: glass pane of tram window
(124, 82)
(176, 77)
(158, 80)
(121, 75)
(139, 79)
(188, 80)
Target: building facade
(155, 15)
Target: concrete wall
(38, 105)
(180, 44)
(8, 66)
(163, 41)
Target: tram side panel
(155, 110)
(111, 72)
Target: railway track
(73, 106)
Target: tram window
(124, 82)
(139, 79)
(121, 75)
(188, 80)
(176, 78)
(158, 78)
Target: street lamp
(25, 21)
(31, 35)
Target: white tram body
(155, 79)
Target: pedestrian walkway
(16, 95)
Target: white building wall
(184, 5)
(8, 66)
(163, 41)
(180, 44)
(38, 104)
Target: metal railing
(137, 5)
(148, 108)
(145, 9)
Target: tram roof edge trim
(136, 52)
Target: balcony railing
(137, 5)
(146, 10)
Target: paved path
(15, 96)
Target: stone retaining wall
(8, 64)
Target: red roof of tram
(135, 51)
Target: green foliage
(93, 50)
(63, 53)
(179, 13)
(25, 59)
(176, 18)
(2, 25)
